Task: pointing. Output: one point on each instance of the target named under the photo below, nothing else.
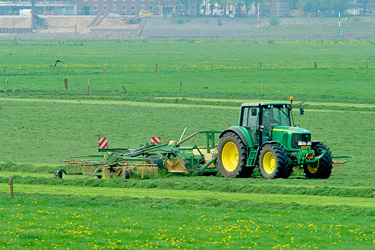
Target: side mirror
(301, 111)
(253, 112)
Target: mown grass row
(178, 101)
(203, 183)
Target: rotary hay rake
(147, 160)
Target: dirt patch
(67, 25)
(15, 22)
(71, 26)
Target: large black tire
(58, 173)
(274, 162)
(154, 159)
(231, 156)
(323, 167)
(207, 173)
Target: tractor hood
(290, 130)
(291, 137)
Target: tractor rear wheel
(232, 156)
(323, 167)
(274, 162)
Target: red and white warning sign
(103, 143)
(155, 140)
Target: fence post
(7, 82)
(156, 68)
(11, 186)
(103, 68)
(4, 70)
(88, 86)
(366, 66)
(315, 65)
(66, 83)
(180, 86)
(124, 89)
(260, 65)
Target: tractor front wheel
(274, 162)
(323, 167)
(232, 156)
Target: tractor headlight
(302, 143)
(308, 143)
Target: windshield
(276, 116)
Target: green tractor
(266, 138)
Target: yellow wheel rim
(269, 163)
(229, 156)
(313, 168)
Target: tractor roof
(253, 104)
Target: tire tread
(283, 168)
(241, 171)
(325, 166)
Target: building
(133, 7)
(94, 7)
(46, 7)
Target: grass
(53, 131)
(43, 124)
(306, 200)
(77, 222)
(287, 68)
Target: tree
(313, 6)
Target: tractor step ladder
(252, 156)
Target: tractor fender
(316, 142)
(238, 132)
(267, 143)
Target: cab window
(275, 116)
(245, 117)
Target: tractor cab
(261, 118)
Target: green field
(42, 124)
(287, 68)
